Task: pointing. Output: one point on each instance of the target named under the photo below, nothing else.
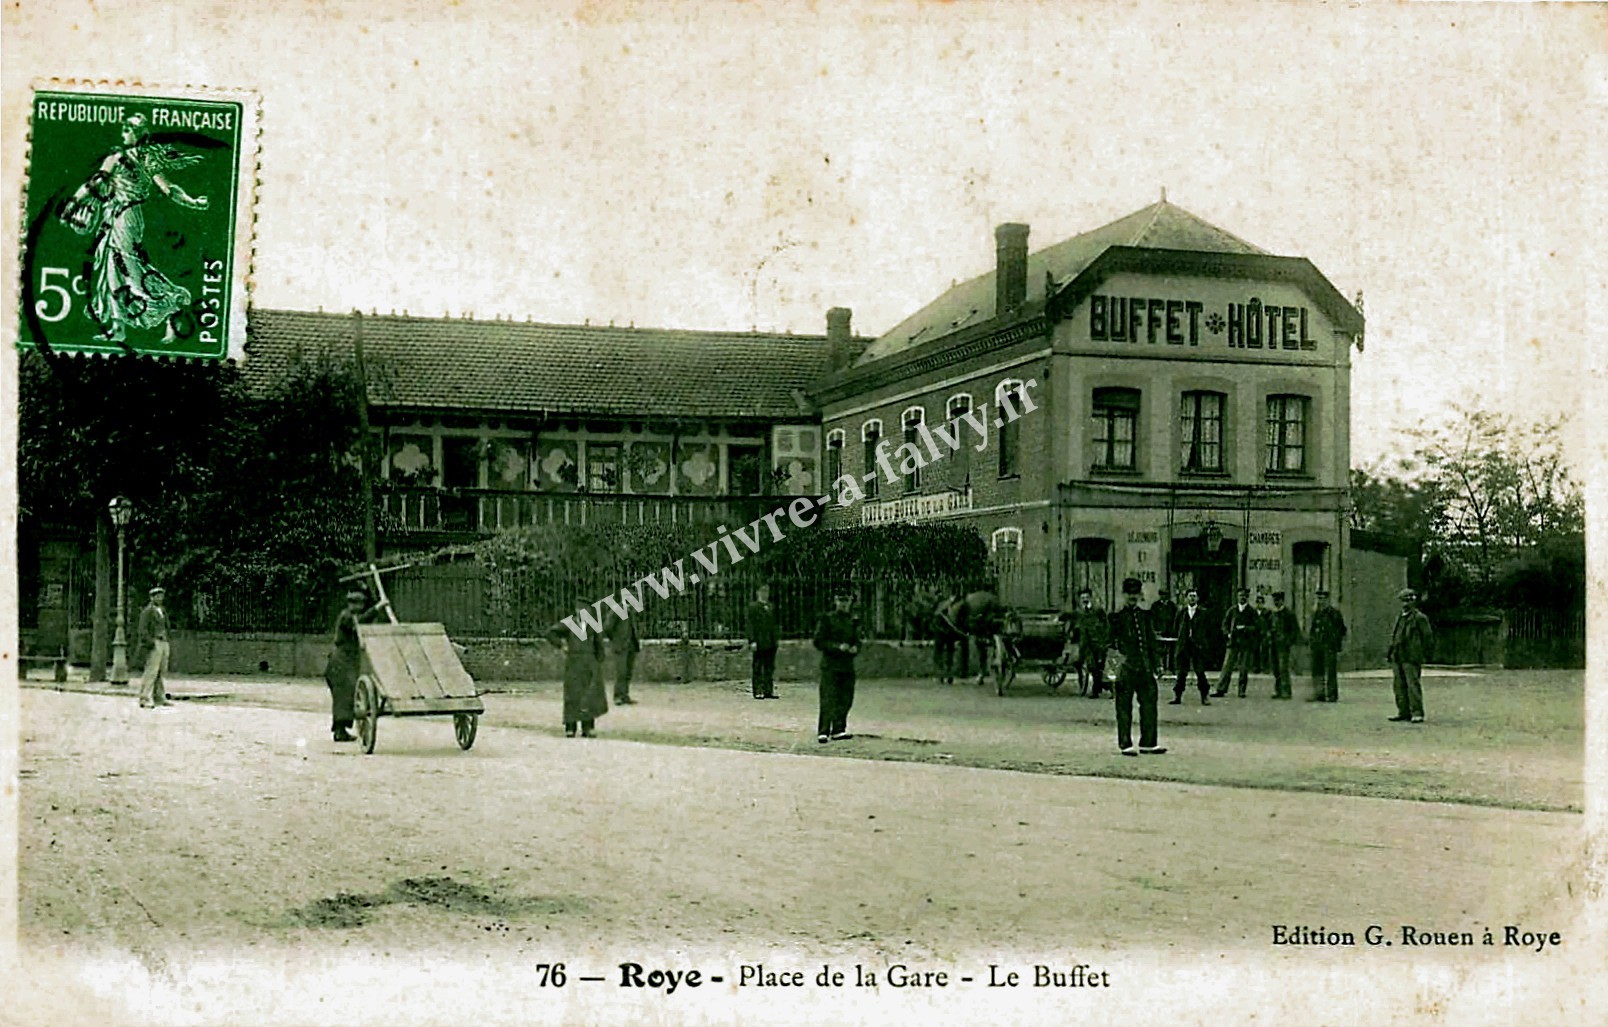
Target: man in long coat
(1327, 635)
(1410, 640)
(1090, 631)
(624, 644)
(1281, 631)
(585, 698)
(345, 661)
(763, 641)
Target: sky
(726, 166)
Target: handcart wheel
(1053, 676)
(464, 726)
(366, 710)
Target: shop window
(1091, 569)
(1311, 573)
(870, 439)
(912, 419)
(1008, 407)
(1116, 429)
(1201, 431)
(1287, 434)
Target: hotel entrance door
(1212, 573)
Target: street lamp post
(121, 511)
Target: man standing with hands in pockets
(1410, 640)
(837, 636)
(762, 642)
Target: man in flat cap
(152, 632)
(1132, 636)
(837, 636)
(345, 660)
(1410, 640)
(1328, 634)
(1283, 631)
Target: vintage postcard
(796, 513)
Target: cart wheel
(1053, 676)
(464, 726)
(366, 711)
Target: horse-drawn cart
(1033, 639)
(411, 670)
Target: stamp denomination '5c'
(138, 231)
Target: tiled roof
(1161, 226)
(419, 362)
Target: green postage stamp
(137, 236)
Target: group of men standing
(1255, 636)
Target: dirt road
(187, 865)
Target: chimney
(1010, 269)
(839, 340)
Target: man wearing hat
(1242, 631)
(1327, 635)
(152, 632)
(1131, 635)
(345, 659)
(1410, 641)
(1283, 631)
(837, 636)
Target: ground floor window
(1091, 569)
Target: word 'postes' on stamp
(138, 224)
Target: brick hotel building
(1192, 414)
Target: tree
(1500, 487)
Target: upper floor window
(1116, 429)
(959, 405)
(834, 456)
(870, 439)
(1009, 539)
(1201, 431)
(1287, 434)
(1008, 406)
(912, 420)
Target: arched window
(1116, 429)
(1287, 434)
(959, 405)
(834, 456)
(870, 440)
(1008, 407)
(1007, 539)
(1091, 569)
(1200, 423)
(912, 420)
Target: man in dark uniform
(1242, 631)
(1090, 631)
(1193, 631)
(1282, 631)
(1327, 635)
(1410, 640)
(762, 642)
(837, 636)
(624, 644)
(1163, 614)
(345, 660)
(1263, 662)
(1132, 636)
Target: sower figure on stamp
(624, 644)
(345, 661)
(837, 636)
(1193, 631)
(152, 632)
(1410, 641)
(1326, 637)
(585, 699)
(1282, 632)
(1135, 678)
(762, 642)
(1242, 631)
